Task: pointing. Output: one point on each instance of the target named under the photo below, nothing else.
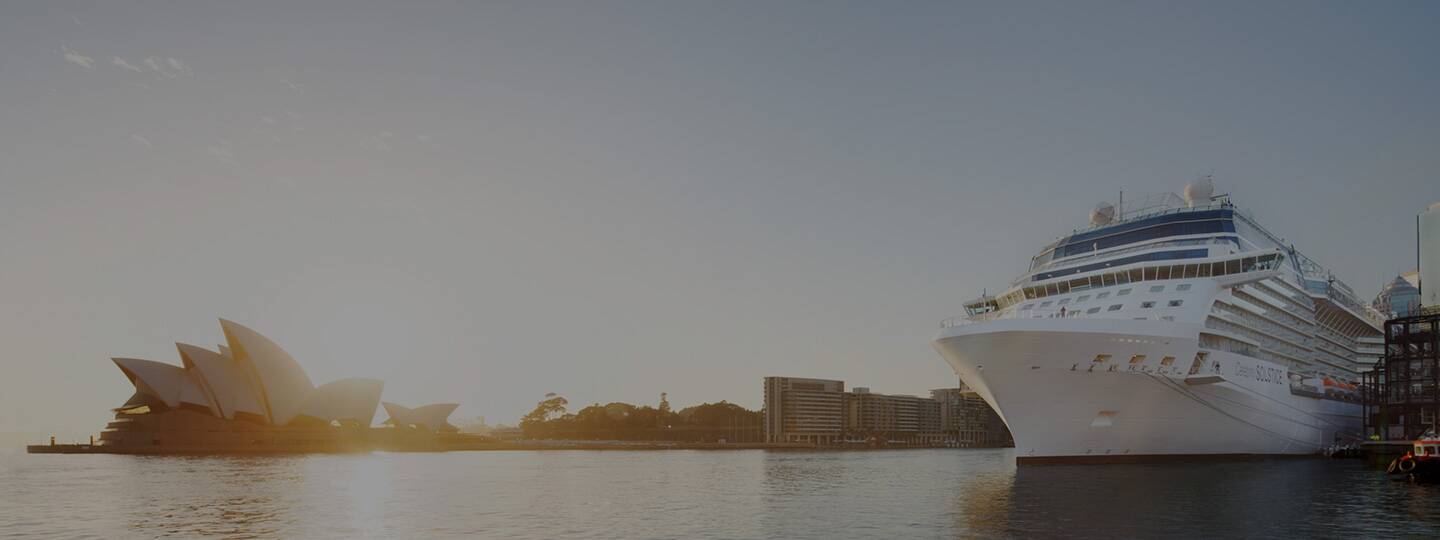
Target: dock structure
(1402, 392)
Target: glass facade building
(1400, 297)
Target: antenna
(1121, 210)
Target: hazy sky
(485, 202)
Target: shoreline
(467, 447)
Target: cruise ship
(1179, 329)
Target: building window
(1176, 303)
(1092, 310)
(1157, 288)
(1182, 287)
(1147, 305)
(1123, 292)
(1115, 307)
(1102, 295)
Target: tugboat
(1422, 463)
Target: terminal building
(821, 412)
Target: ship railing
(964, 320)
(1211, 240)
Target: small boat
(1422, 462)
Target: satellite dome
(1102, 214)
(1199, 191)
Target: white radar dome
(1103, 214)
(1199, 192)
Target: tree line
(709, 422)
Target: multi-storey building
(804, 410)
(821, 412)
(1401, 297)
(967, 421)
(892, 418)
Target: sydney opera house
(251, 396)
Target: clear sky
(485, 202)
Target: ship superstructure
(1183, 328)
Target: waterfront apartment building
(821, 412)
(804, 410)
(967, 421)
(871, 417)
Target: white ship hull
(1042, 377)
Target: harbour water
(699, 494)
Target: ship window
(1204, 270)
(1046, 303)
(1027, 306)
(1102, 295)
(1064, 301)
(1137, 359)
(1183, 287)
(1162, 273)
(1167, 360)
(1147, 305)
(1115, 307)
(1093, 310)
(1101, 358)
(1176, 303)
(1123, 292)
(1087, 297)
(1232, 266)
(1150, 273)
(1157, 288)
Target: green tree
(551, 408)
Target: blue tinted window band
(1158, 256)
(1223, 213)
(1132, 235)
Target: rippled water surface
(688, 494)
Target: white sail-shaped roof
(345, 399)
(283, 385)
(431, 416)
(228, 386)
(170, 384)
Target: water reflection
(681, 494)
(1275, 498)
(194, 496)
